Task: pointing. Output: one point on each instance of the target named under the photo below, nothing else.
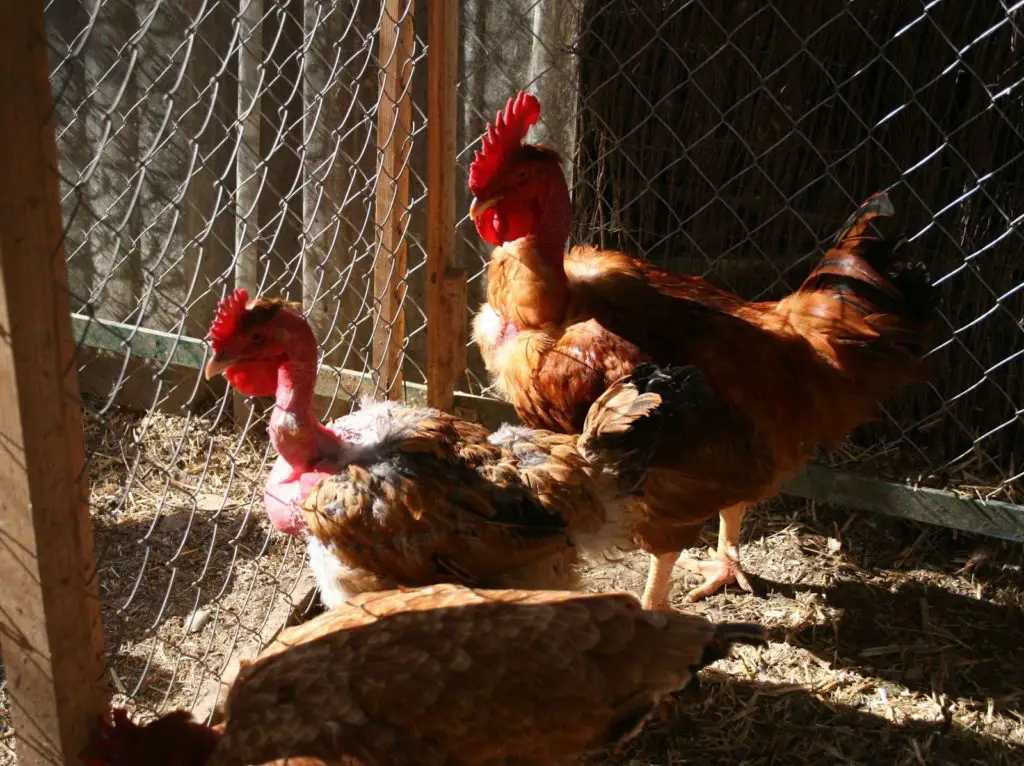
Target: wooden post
(394, 126)
(49, 603)
(446, 287)
(334, 161)
(248, 179)
(247, 159)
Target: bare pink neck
(296, 433)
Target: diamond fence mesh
(206, 145)
(733, 139)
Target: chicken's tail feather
(624, 427)
(870, 267)
(869, 296)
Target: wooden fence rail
(817, 482)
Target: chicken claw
(720, 570)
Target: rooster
(558, 328)
(441, 675)
(392, 495)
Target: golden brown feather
(450, 676)
(392, 495)
(783, 377)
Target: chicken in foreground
(443, 675)
(786, 376)
(392, 495)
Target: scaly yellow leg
(659, 581)
(724, 567)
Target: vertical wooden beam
(49, 604)
(247, 158)
(334, 160)
(248, 178)
(446, 287)
(394, 128)
(205, 107)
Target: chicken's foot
(723, 568)
(720, 570)
(659, 581)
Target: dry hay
(883, 648)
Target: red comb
(225, 321)
(502, 138)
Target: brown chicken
(444, 675)
(392, 495)
(786, 376)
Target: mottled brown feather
(441, 500)
(448, 675)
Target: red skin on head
(520, 187)
(509, 220)
(174, 739)
(275, 354)
(253, 378)
(513, 218)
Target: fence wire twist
(209, 144)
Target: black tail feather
(626, 426)
(871, 267)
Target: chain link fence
(733, 139)
(211, 144)
(206, 146)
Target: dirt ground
(891, 642)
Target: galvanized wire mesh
(206, 145)
(733, 139)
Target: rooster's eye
(522, 175)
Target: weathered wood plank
(250, 170)
(933, 506)
(49, 602)
(446, 303)
(394, 141)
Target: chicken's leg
(724, 566)
(659, 581)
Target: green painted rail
(817, 482)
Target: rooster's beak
(216, 366)
(478, 208)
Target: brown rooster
(442, 676)
(787, 376)
(392, 495)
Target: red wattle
(487, 229)
(253, 378)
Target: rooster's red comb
(225, 322)
(110, 743)
(502, 138)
